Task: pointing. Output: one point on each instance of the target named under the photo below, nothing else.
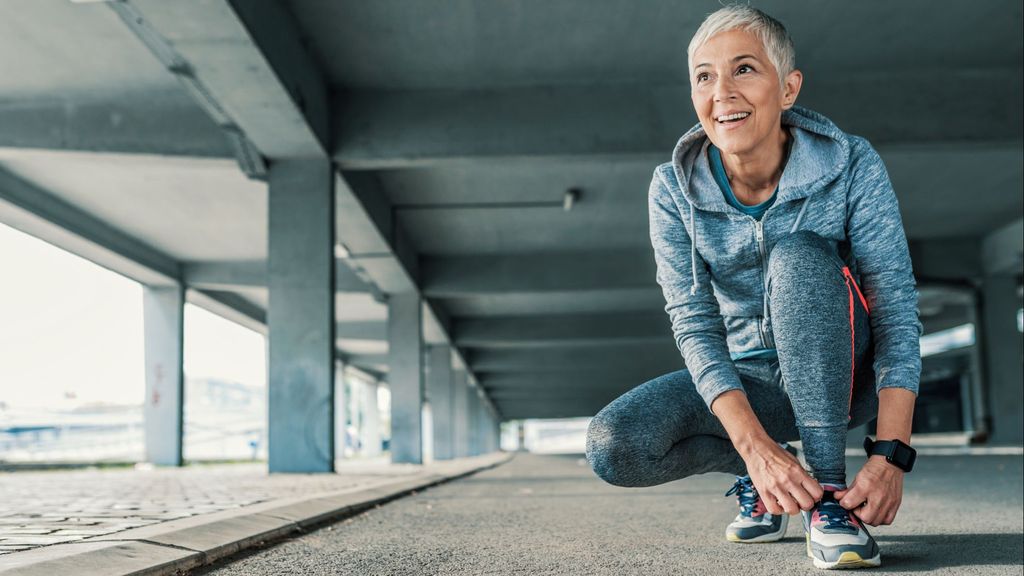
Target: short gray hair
(773, 35)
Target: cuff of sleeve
(906, 379)
(717, 381)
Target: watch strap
(895, 452)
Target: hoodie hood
(819, 154)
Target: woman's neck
(755, 175)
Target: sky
(71, 332)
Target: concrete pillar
(1003, 359)
(339, 410)
(474, 421)
(405, 375)
(460, 414)
(300, 316)
(439, 392)
(163, 311)
(371, 432)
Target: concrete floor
(550, 515)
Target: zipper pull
(759, 230)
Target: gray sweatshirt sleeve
(696, 322)
(879, 245)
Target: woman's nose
(724, 89)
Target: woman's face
(736, 92)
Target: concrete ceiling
(458, 126)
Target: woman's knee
(801, 247)
(802, 258)
(612, 449)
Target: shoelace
(834, 515)
(746, 493)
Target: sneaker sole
(773, 537)
(847, 560)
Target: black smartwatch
(896, 452)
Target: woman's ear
(791, 88)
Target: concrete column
(460, 414)
(405, 375)
(474, 421)
(1003, 361)
(440, 392)
(371, 433)
(339, 410)
(300, 316)
(164, 315)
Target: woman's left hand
(876, 492)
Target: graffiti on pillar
(158, 379)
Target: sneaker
(836, 538)
(754, 523)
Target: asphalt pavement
(551, 515)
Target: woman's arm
(697, 323)
(877, 491)
(783, 484)
(879, 245)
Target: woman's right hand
(781, 482)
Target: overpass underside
(453, 200)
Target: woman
(785, 270)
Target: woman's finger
(803, 499)
(814, 488)
(787, 503)
(853, 499)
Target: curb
(178, 546)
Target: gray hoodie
(712, 259)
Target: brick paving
(56, 507)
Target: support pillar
(405, 375)
(370, 431)
(474, 421)
(1002, 353)
(439, 392)
(460, 414)
(164, 315)
(300, 316)
(339, 410)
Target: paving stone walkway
(56, 507)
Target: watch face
(903, 456)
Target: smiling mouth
(726, 119)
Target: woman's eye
(702, 76)
(743, 69)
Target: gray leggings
(662, 431)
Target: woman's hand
(876, 492)
(782, 483)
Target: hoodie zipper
(762, 325)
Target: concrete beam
(609, 359)
(580, 408)
(229, 275)
(542, 383)
(378, 130)
(160, 123)
(566, 330)
(245, 63)
(1002, 251)
(473, 275)
(368, 330)
(363, 360)
(45, 216)
(230, 306)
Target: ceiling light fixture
(572, 195)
